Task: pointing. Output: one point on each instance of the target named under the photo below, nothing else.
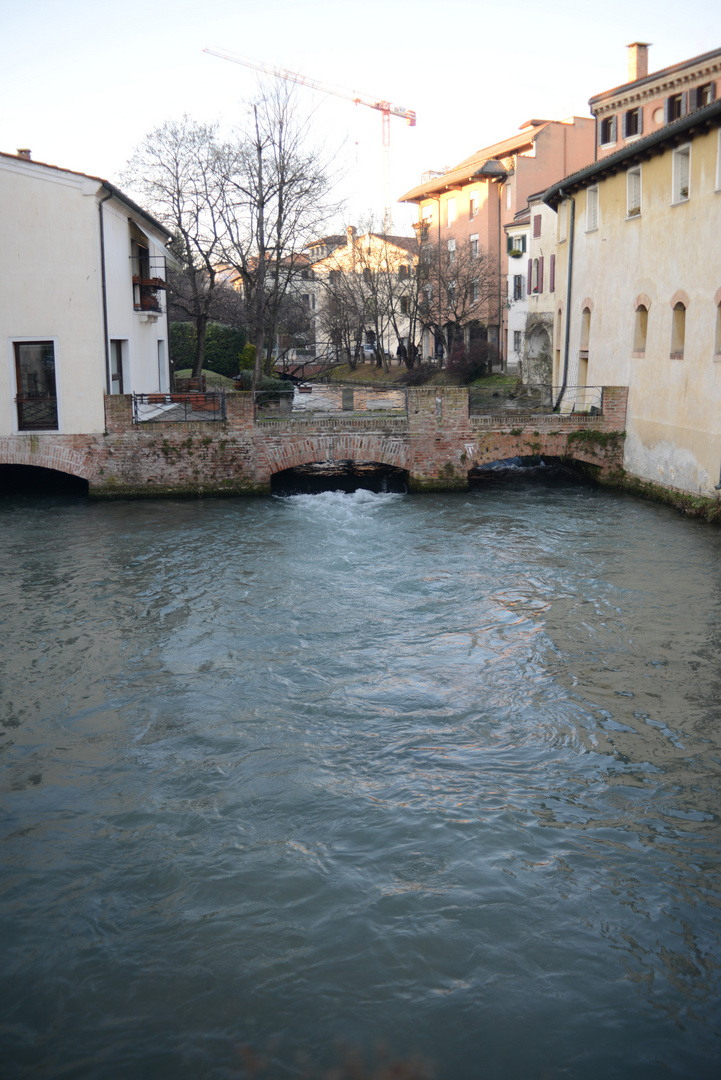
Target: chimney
(350, 236)
(24, 153)
(638, 60)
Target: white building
(517, 294)
(82, 308)
(541, 285)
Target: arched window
(639, 330)
(717, 347)
(585, 331)
(678, 331)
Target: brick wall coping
(335, 423)
(538, 420)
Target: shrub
(418, 375)
(471, 363)
(225, 347)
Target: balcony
(149, 278)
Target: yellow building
(638, 296)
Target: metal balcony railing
(37, 412)
(179, 408)
(149, 278)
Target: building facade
(470, 204)
(648, 102)
(82, 301)
(638, 295)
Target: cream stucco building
(82, 308)
(638, 295)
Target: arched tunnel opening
(348, 476)
(37, 481)
(533, 468)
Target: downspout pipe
(569, 283)
(103, 278)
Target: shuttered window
(632, 123)
(675, 107)
(552, 273)
(607, 131)
(591, 209)
(530, 276)
(537, 225)
(539, 283)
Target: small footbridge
(234, 443)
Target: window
(334, 277)
(36, 400)
(675, 107)
(681, 161)
(518, 286)
(473, 204)
(404, 305)
(585, 333)
(633, 192)
(591, 209)
(632, 123)
(475, 291)
(163, 384)
(701, 95)
(640, 330)
(678, 331)
(516, 243)
(403, 271)
(552, 282)
(509, 197)
(427, 215)
(451, 293)
(116, 367)
(535, 278)
(536, 225)
(451, 251)
(607, 131)
(450, 212)
(473, 239)
(517, 340)
(367, 275)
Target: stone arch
(311, 451)
(680, 297)
(539, 361)
(47, 452)
(642, 300)
(587, 304)
(717, 297)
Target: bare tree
(368, 290)
(276, 198)
(175, 173)
(460, 287)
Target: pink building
(648, 102)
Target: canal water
(282, 776)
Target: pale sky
(81, 83)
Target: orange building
(471, 203)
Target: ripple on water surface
(441, 771)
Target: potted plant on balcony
(515, 253)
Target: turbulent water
(438, 771)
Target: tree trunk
(201, 326)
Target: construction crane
(384, 108)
